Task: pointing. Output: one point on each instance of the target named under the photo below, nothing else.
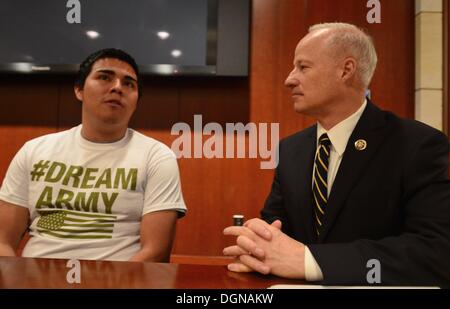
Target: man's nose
(291, 81)
(117, 85)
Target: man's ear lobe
(78, 93)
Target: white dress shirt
(339, 136)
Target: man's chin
(299, 107)
(112, 120)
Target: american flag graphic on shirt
(75, 224)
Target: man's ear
(349, 69)
(78, 93)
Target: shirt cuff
(312, 269)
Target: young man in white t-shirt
(99, 190)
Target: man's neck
(340, 111)
(105, 134)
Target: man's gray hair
(351, 40)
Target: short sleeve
(163, 188)
(14, 189)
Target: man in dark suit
(362, 196)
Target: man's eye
(130, 84)
(104, 77)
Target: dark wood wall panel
(215, 189)
(28, 109)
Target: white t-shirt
(86, 199)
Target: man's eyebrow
(106, 71)
(111, 72)
(303, 61)
(130, 78)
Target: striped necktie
(320, 176)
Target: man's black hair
(86, 65)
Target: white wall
(429, 63)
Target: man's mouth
(114, 102)
(297, 94)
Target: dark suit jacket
(389, 202)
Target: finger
(249, 246)
(239, 267)
(252, 221)
(234, 251)
(277, 224)
(235, 230)
(254, 264)
(240, 231)
(260, 228)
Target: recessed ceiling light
(92, 34)
(176, 53)
(163, 35)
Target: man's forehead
(114, 65)
(316, 37)
(311, 44)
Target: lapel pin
(360, 144)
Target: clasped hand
(264, 248)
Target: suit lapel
(370, 128)
(302, 164)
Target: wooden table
(16, 272)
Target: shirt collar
(340, 133)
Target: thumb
(277, 224)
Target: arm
(274, 206)
(157, 233)
(163, 204)
(13, 224)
